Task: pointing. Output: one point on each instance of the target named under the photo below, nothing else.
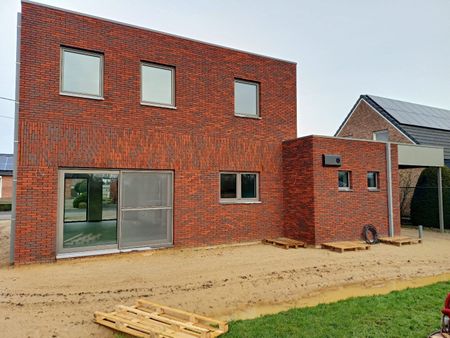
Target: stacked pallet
(285, 243)
(345, 246)
(150, 320)
(399, 240)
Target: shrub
(79, 199)
(424, 204)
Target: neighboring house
(6, 177)
(379, 118)
(133, 139)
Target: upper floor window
(157, 85)
(81, 73)
(246, 98)
(381, 135)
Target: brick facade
(196, 140)
(7, 184)
(364, 121)
(315, 210)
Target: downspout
(16, 144)
(389, 189)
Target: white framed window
(157, 85)
(344, 180)
(381, 135)
(81, 73)
(372, 180)
(239, 187)
(1, 186)
(246, 98)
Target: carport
(419, 156)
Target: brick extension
(315, 210)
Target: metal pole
(16, 146)
(389, 189)
(420, 231)
(440, 200)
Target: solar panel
(415, 114)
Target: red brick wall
(365, 120)
(338, 215)
(299, 189)
(6, 187)
(197, 140)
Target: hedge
(424, 204)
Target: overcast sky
(398, 49)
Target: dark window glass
(372, 180)
(344, 179)
(228, 186)
(248, 185)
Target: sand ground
(58, 300)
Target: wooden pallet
(345, 246)
(150, 320)
(285, 242)
(399, 241)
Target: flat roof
(154, 31)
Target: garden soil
(225, 282)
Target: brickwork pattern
(197, 140)
(337, 215)
(364, 121)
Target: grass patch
(400, 314)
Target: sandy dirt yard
(59, 299)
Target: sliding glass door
(114, 209)
(89, 210)
(146, 209)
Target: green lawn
(399, 314)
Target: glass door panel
(90, 210)
(146, 208)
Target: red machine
(445, 323)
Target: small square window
(372, 180)
(246, 98)
(238, 187)
(157, 85)
(81, 73)
(344, 180)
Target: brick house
(378, 118)
(141, 139)
(6, 177)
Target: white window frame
(172, 105)
(61, 73)
(377, 181)
(1, 186)
(375, 133)
(238, 198)
(349, 178)
(248, 115)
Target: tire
(370, 229)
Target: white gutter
(389, 189)
(16, 144)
